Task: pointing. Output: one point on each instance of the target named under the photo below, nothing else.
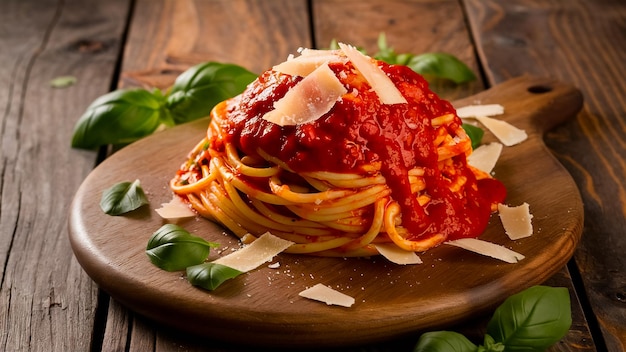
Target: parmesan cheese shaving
(175, 209)
(484, 158)
(488, 249)
(250, 257)
(375, 76)
(517, 221)
(507, 134)
(308, 100)
(325, 294)
(397, 255)
(307, 62)
(480, 110)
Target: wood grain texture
(264, 305)
(409, 26)
(553, 38)
(43, 290)
(253, 34)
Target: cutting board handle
(534, 104)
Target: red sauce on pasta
(359, 130)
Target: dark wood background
(48, 303)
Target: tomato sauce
(360, 130)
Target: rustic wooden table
(48, 303)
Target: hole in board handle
(539, 89)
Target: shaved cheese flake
(325, 294)
(250, 257)
(517, 221)
(397, 255)
(306, 63)
(319, 52)
(375, 76)
(175, 209)
(488, 249)
(484, 158)
(308, 100)
(480, 110)
(507, 134)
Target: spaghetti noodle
(362, 173)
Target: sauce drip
(358, 131)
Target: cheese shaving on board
(308, 100)
(517, 221)
(325, 294)
(488, 249)
(261, 251)
(175, 209)
(378, 80)
(508, 134)
(485, 157)
(397, 255)
(480, 110)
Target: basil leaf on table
(119, 117)
(475, 134)
(444, 341)
(173, 248)
(443, 66)
(533, 319)
(210, 275)
(197, 90)
(122, 198)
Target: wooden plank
(410, 26)
(255, 35)
(551, 38)
(47, 302)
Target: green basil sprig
(531, 320)
(126, 115)
(197, 90)
(122, 198)
(173, 248)
(210, 275)
(430, 65)
(538, 318)
(120, 117)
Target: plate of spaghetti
(339, 154)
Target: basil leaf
(533, 319)
(385, 53)
(444, 341)
(122, 198)
(197, 90)
(210, 275)
(62, 81)
(475, 134)
(490, 345)
(442, 66)
(119, 117)
(173, 248)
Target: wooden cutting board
(263, 307)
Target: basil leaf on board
(119, 117)
(475, 134)
(173, 248)
(122, 198)
(444, 341)
(197, 90)
(442, 66)
(533, 319)
(210, 275)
